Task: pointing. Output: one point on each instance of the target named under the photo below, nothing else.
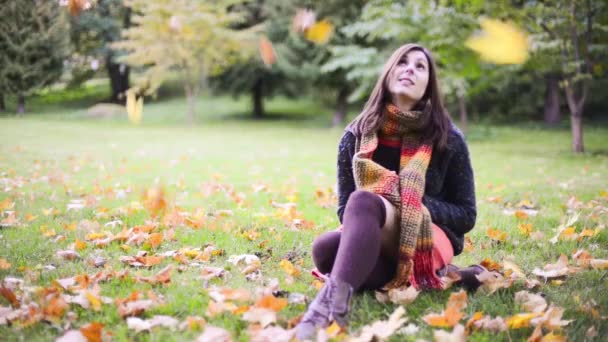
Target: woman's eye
(420, 66)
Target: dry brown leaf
(552, 318)
(223, 294)
(452, 314)
(488, 323)
(210, 272)
(68, 254)
(492, 281)
(4, 264)
(599, 264)
(263, 316)
(92, 331)
(511, 267)
(9, 295)
(531, 302)
(270, 334)
(557, 270)
(271, 302)
(135, 308)
(72, 336)
(403, 296)
(382, 330)
(138, 324)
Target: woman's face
(409, 78)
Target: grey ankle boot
(341, 292)
(331, 304)
(317, 315)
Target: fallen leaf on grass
(531, 302)
(452, 314)
(557, 270)
(551, 319)
(496, 234)
(162, 277)
(289, 268)
(141, 261)
(457, 335)
(512, 269)
(72, 336)
(138, 324)
(214, 334)
(382, 330)
(222, 294)
(252, 262)
(210, 272)
(492, 281)
(9, 295)
(270, 334)
(272, 303)
(68, 254)
(402, 296)
(521, 320)
(4, 264)
(135, 308)
(92, 331)
(487, 323)
(263, 316)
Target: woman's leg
(358, 251)
(360, 242)
(324, 250)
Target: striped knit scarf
(404, 191)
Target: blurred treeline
(330, 50)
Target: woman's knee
(367, 203)
(324, 249)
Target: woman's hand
(339, 229)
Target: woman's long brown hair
(369, 119)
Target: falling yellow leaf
(320, 32)
(267, 53)
(500, 43)
(134, 107)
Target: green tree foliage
(33, 44)
(384, 26)
(92, 32)
(194, 39)
(570, 38)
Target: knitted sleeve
(458, 211)
(346, 181)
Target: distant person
(406, 194)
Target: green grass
(293, 155)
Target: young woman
(406, 194)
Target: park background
(165, 165)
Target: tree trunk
(341, 104)
(552, 114)
(462, 107)
(576, 105)
(119, 79)
(191, 99)
(576, 121)
(2, 104)
(20, 104)
(257, 95)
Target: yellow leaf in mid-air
(320, 32)
(500, 43)
(135, 107)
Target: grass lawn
(227, 181)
